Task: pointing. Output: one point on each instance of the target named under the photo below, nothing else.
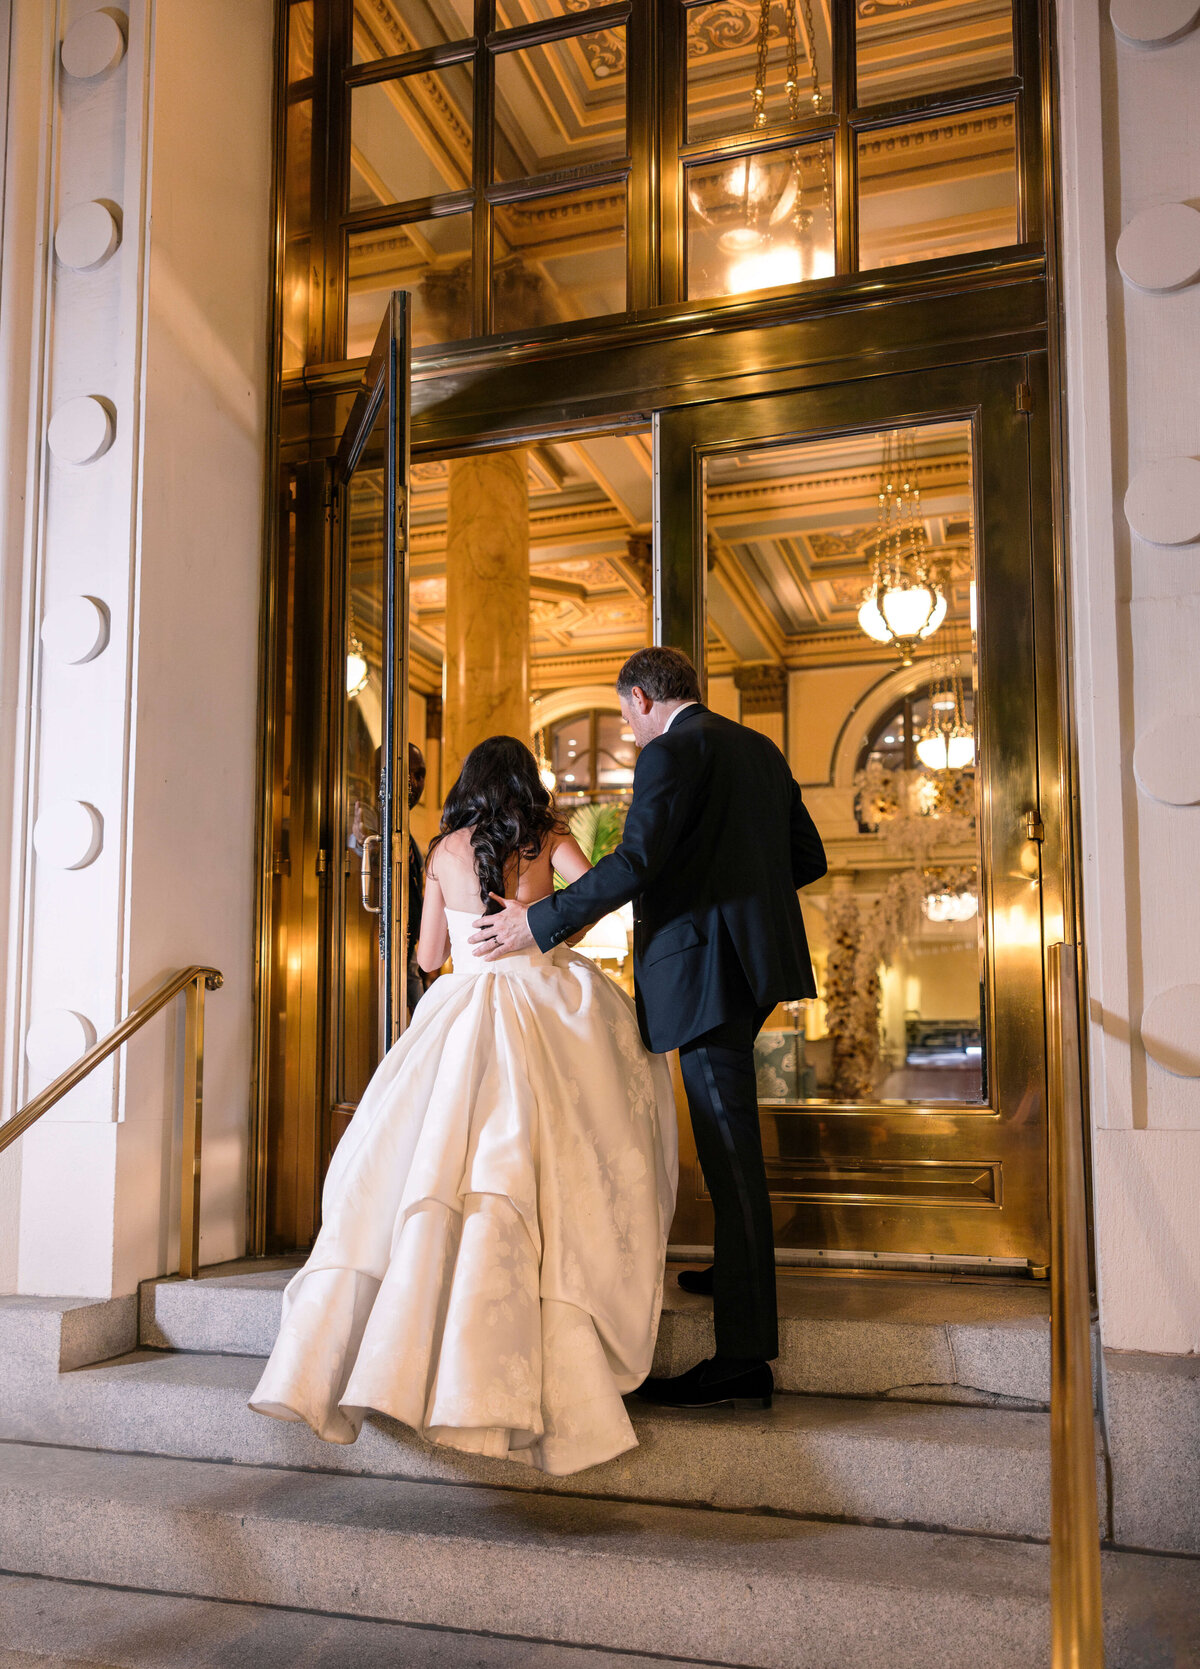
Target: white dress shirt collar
(681, 709)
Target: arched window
(892, 742)
(592, 755)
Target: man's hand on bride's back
(502, 933)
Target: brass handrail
(1076, 1614)
(196, 980)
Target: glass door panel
(866, 600)
(368, 800)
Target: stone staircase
(892, 1509)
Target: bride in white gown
(489, 1268)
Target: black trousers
(718, 1074)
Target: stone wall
(133, 403)
(1131, 166)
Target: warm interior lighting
(951, 906)
(947, 751)
(905, 600)
(549, 780)
(608, 939)
(357, 670)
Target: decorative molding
(56, 1038)
(81, 430)
(75, 630)
(69, 834)
(86, 236)
(1160, 248)
(763, 688)
(94, 44)
(1166, 760)
(1162, 503)
(1170, 1030)
(1153, 22)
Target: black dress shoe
(697, 1280)
(712, 1382)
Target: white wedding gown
(490, 1263)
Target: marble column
(487, 604)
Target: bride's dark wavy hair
(501, 798)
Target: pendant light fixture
(760, 209)
(947, 741)
(357, 668)
(549, 780)
(904, 602)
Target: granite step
(70, 1625)
(983, 1342)
(725, 1588)
(979, 1470)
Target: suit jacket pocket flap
(681, 935)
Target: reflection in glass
(357, 865)
(592, 756)
(722, 67)
(560, 105)
(390, 31)
(510, 14)
(904, 53)
(410, 138)
(300, 40)
(296, 232)
(559, 258)
(429, 258)
(760, 221)
(898, 932)
(934, 188)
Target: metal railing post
(194, 981)
(193, 1130)
(1076, 1614)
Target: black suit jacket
(716, 842)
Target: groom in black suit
(716, 842)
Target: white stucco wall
(1131, 141)
(158, 731)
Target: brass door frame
(1018, 716)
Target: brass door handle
(371, 840)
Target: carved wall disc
(1171, 1030)
(1162, 504)
(55, 1040)
(81, 430)
(86, 236)
(1166, 760)
(93, 44)
(1153, 22)
(1160, 248)
(75, 630)
(69, 835)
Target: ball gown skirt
(489, 1268)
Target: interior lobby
(377, 376)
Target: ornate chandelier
(760, 209)
(904, 602)
(950, 906)
(947, 741)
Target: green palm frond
(597, 829)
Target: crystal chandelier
(904, 601)
(947, 741)
(763, 217)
